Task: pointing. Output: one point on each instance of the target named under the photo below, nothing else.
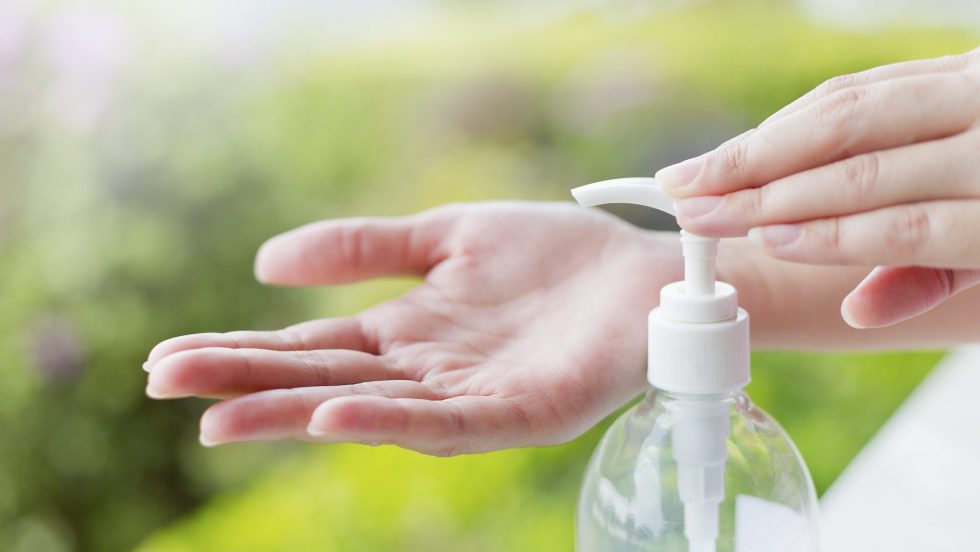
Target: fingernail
(146, 366)
(207, 442)
(315, 431)
(325, 434)
(777, 235)
(676, 177)
(697, 206)
(315, 427)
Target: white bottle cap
(698, 336)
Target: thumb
(889, 295)
(349, 250)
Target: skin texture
(876, 168)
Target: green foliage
(154, 216)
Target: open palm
(528, 329)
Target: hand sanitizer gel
(695, 466)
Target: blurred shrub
(119, 231)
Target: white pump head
(699, 338)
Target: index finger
(850, 122)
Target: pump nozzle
(636, 190)
(699, 252)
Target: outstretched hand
(875, 168)
(527, 330)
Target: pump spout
(635, 190)
(699, 252)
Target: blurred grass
(161, 208)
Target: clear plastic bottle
(694, 467)
(631, 498)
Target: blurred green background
(146, 153)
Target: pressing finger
(920, 172)
(850, 122)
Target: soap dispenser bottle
(694, 466)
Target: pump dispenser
(694, 467)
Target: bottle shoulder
(644, 436)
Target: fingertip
(177, 374)
(159, 351)
(176, 345)
(845, 313)
(332, 417)
(347, 416)
(258, 267)
(156, 383)
(268, 259)
(889, 295)
(209, 435)
(678, 179)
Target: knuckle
(909, 230)
(396, 369)
(841, 82)
(828, 237)
(292, 339)
(437, 387)
(944, 281)
(861, 178)
(315, 364)
(521, 417)
(302, 404)
(368, 388)
(758, 201)
(838, 110)
(751, 204)
(733, 157)
(457, 422)
(350, 240)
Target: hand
(877, 168)
(527, 330)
